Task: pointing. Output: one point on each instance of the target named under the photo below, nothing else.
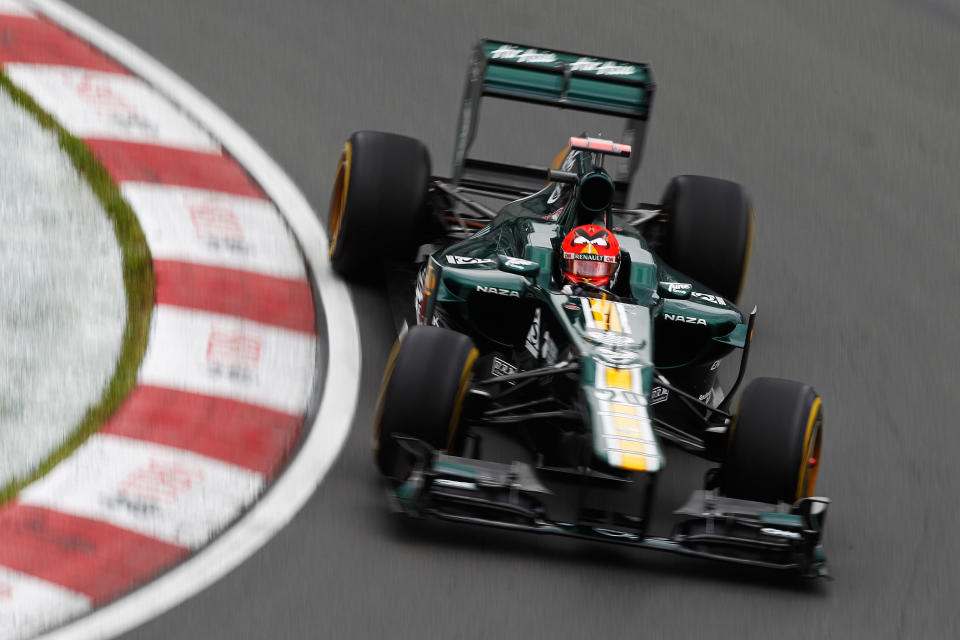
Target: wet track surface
(843, 124)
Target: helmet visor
(589, 268)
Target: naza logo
(682, 318)
(497, 291)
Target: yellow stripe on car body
(627, 430)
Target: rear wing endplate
(552, 78)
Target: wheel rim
(810, 464)
(338, 199)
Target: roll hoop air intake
(596, 190)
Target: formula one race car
(557, 344)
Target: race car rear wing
(552, 78)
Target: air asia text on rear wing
(552, 78)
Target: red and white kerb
(228, 375)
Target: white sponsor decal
(229, 357)
(532, 342)
(170, 494)
(501, 367)
(603, 68)
(683, 318)
(705, 397)
(591, 257)
(94, 104)
(419, 295)
(29, 605)
(518, 263)
(780, 533)
(508, 52)
(706, 297)
(659, 394)
(216, 229)
(715, 365)
(610, 338)
(631, 322)
(455, 484)
(500, 292)
(555, 194)
(620, 396)
(461, 260)
(613, 356)
(679, 288)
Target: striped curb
(228, 376)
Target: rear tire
(378, 206)
(422, 395)
(774, 448)
(710, 229)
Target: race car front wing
(513, 496)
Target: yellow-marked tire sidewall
(812, 444)
(776, 429)
(387, 374)
(338, 197)
(465, 378)
(379, 204)
(423, 393)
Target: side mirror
(565, 177)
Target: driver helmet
(591, 254)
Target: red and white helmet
(591, 253)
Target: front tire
(773, 453)
(422, 395)
(378, 206)
(709, 232)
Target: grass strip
(137, 281)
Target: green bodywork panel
(616, 343)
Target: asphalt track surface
(842, 120)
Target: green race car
(559, 348)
